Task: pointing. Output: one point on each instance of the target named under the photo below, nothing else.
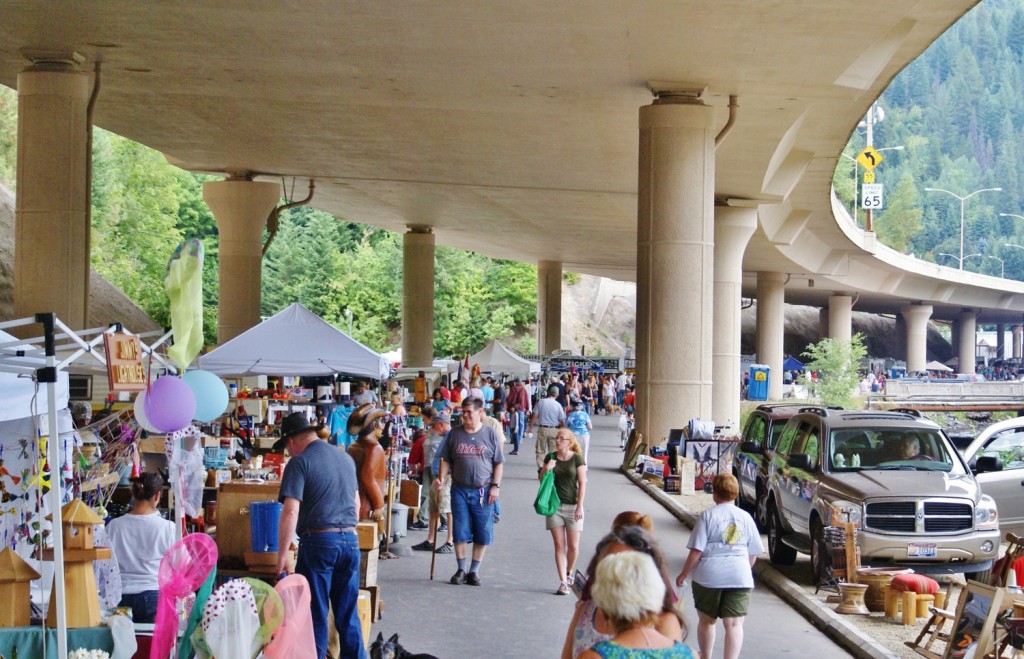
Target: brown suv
(895, 475)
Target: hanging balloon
(140, 414)
(170, 405)
(210, 392)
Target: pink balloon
(170, 404)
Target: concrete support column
(418, 297)
(968, 345)
(675, 256)
(241, 208)
(822, 323)
(901, 337)
(733, 228)
(916, 317)
(771, 323)
(1018, 334)
(51, 226)
(549, 306)
(840, 317)
(1000, 341)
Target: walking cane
(433, 550)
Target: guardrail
(940, 396)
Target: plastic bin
(757, 389)
(264, 519)
(399, 520)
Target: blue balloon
(211, 394)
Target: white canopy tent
(294, 342)
(34, 388)
(936, 366)
(496, 358)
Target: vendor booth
(294, 342)
(496, 358)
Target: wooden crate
(233, 499)
(368, 567)
(367, 532)
(376, 605)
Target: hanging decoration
(184, 285)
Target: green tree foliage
(135, 220)
(956, 110)
(836, 363)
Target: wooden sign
(125, 371)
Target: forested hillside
(958, 112)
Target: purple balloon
(170, 404)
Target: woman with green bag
(566, 523)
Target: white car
(996, 456)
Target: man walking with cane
(473, 456)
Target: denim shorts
(472, 516)
(143, 605)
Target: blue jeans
(143, 605)
(330, 562)
(472, 516)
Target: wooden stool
(915, 593)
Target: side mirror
(988, 463)
(750, 447)
(801, 461)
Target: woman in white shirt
(139, 540)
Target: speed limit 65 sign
(871, 195)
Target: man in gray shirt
(550, 416)
(473, 456)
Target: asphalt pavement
(515, 613)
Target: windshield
(912, 448)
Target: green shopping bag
(547, 501)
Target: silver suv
(895, 475)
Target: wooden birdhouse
(83, 601)
(15, 575)
(79, 520)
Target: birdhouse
(15, 575)
(83, 604)
(79, 520)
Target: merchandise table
(28, 641)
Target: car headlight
(985, 514)
(845, 511)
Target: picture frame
(973, 614)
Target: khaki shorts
(721, 602)
(442, 501)
(566, 516)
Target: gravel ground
(889, 632)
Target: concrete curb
(833, 625)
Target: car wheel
(761, 509)
(821, 561)
(985, 576)
(779, 552)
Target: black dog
(391, 649)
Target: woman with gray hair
(630, 590)
(589, 624)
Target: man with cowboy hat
(320, 494)
(371, 465)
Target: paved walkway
(516, 614)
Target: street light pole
(962, 200)
(1002, 265)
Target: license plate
(922, 550)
